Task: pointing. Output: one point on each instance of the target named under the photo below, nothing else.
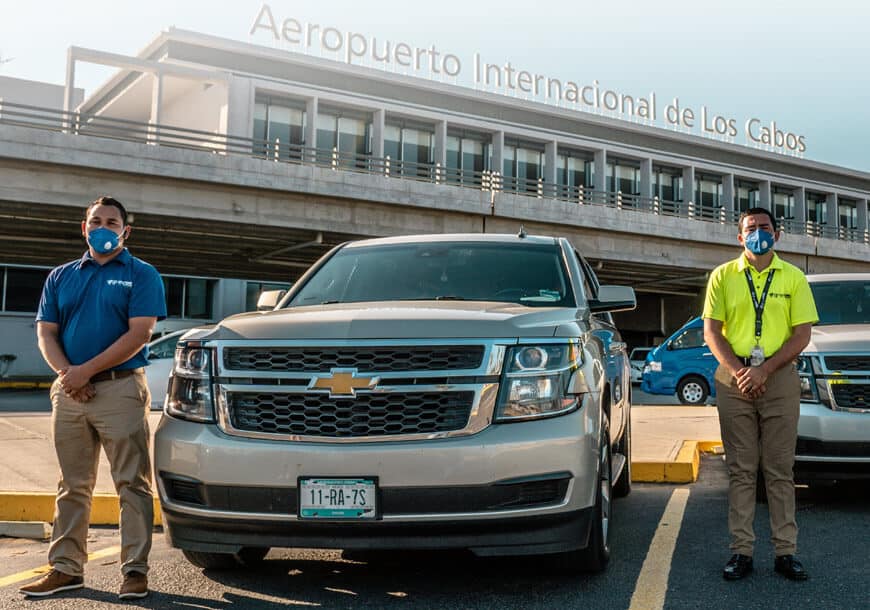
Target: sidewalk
(666, 442)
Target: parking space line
(652, 582)
(28, 574)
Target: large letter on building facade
(265, 11)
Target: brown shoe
(135, 585)
(52, 583)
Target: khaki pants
(761, 431)
(116, 419)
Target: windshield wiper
(449, 297)
(329, 302)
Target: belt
(110, 375)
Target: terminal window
(21, 288)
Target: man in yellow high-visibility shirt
(758, 314)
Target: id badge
(756, 356)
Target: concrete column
(800, 206)
(441, 143)
(728, 203)
(600, 182)
(69, 86)
(833, 214)
(378, 117)
(156, 105)
(764, 198)
(646, 183)
(240, 107)
(497, 152)
(862, 217)
(688, 185)
(550, 166)
(310, 127)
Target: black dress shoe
(790, 567)
(739, 566)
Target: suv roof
(454, 237)
(837, 277)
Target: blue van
(682, 365)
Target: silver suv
(834, 426)
(444, 391)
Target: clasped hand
(751, 381)
(76, 384)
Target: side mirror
(269, 299)
(613, 298)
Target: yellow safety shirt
(789, 304)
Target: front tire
(622, 487)
(596, 555)
(693, 390)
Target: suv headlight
(654, 366)
(813, 387)
(190, 386)
(535, 382)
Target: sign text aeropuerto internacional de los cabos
(505, 78)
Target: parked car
(682, 365)
(637, 360)
(834, 426)
(429, 391)
(161, 354)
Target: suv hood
(840, 338)
(398, 320)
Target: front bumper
(832, 444)
(511, 489)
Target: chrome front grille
(365, 415)
(857, 362)
(854, 395)
(381, 359)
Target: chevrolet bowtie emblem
(342, 382)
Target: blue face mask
(759, 242)
(103, 240)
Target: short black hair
(105, 200)
(752, 211)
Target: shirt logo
(781, 295)
(123, 283)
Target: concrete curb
(38, 530)
(684, 469)
(39, 506)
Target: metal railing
(89, 124)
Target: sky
(801, 64)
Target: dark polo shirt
(92, 303)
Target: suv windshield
(529, 274)
(843, 302)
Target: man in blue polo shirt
(95, 317)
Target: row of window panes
(186, 298)
(413, 151)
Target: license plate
(337, 498)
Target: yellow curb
(24, 385)
(711, 447)
(39, 506)
(684, 468)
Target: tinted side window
(692, 337)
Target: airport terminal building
(243, 163)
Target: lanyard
(756, 303)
